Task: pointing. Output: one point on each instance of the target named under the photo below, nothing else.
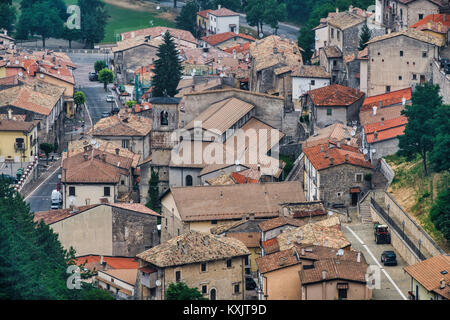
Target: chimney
(219, 6)
(338, 145)
(375, 135)
(303, 251)
(403, 101)
(442, 282)
(117, 151)
(259, 167)
(331, 161)
(244, 217)
(358, 258)
(324, 274)
(101, 260)
(346, 157)
(9, 114)
(251, 216)
(374, 110)
(337, 10)
(382, 121)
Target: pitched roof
(335, 95)
(439, 23)
(52, 216)
(387, 99)
(337, 132)
(386, 134)
(204, 13)
(320, 160)
(367, 117)
(413, 34)
(310, 72)
(130, 43)
(120, 125)
(344, 20)
(335, 269)
(157, 32)
(111, 262)
(250, 239)
(193, 247)
(244, 48)
(125, 275)
(271, 246)
(429, 274)
(218, 38)
(439, 3)
(294, 255)
(232, 201)
(223, 12)
(280, 221)
(220, 116)
(15, 125)
(389, 129)
(332, 51)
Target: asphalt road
(40, 199)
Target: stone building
(226, 40)
(204, 207)
(344, 30)
(335, 173)
(112, 229)
(212, 264)
(333, 103)
(307, 78)
(400, 59)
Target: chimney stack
(303, 251)
(442, 283)
(358, 258)
(374, 108)
(331, 161)
(9, 114)
(219, 6)
(382, 121)
(375, 135)
(403, 101)
(324, 274)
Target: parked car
(110, 98)
(115, 110)
(93, 76)
(389, 258)
(106, 114)
(56, 199)
(382, 234)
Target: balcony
(148, 277)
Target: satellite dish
(158, 283)
(365, 151)
(158, 7)
(261, 34)
(373, 150)
(340, 252)
(353, 133)
(93, 142)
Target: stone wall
(351, 39)
(441, 79)
(387, 171)
(132, 232)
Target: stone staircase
(364, 204)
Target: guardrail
(400, 232)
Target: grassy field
(416, 193)
(124, 19)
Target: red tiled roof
(391, 129)
(239, 48)
(387, 99)
(113, 262)
(147, 269)
(221, 37)
(433, 18)
(271, 245)
(204, 13)
(319, 161)
(241, 179)
(223, 12)
(355, 190)
(335, 95)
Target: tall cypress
(167, 69)
(364, 37)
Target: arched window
(164, 118)
(212, 294)
(188, 180)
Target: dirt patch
(162, 13)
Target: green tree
(255, 14)
(419, 131)
(186, 20)
(7, 16)
(234, 5)
(364, 37)
(440, 213)
(274, 12)
(153, 192)
(167, 72)
(105, 76)
(180, 291)
(205, 4)
(47, 148)
(99, 65)
(440, 155)
(71, 35)
(43, 19)
(130, 103)
(79, 98)
(93, 21)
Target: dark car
(444, 62)
(93, 76)
(250, 284)
(115, 110)
(389, 258)
(106, 114)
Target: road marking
(376, 261)
(34, 190)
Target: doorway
(212, 294)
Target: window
(339, 194)
(420, 16)
(236, 288)
(246, 260)
(203, 267)
(313, 82)
(334, 63)
(338, 34)
(213, 221)
(329, 112)
(188, 180)
(358, 177)
(414, 76)
(71, 191)
(164, 118)
(332, 33)
(228, 263)
(178, 276)
(122, 182)
(204, 289)
(342, 293)
(388, 88)
(212, 294)
(424, 54)
(107, 191)
(400, 78)
(125, 144)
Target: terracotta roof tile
(204, 13)
(345, 19)
(111, 262)
(218, 38)
(223, 12)
(250, 239)
(387, 99)
(193, 247)
(271, 246)
(157, 31)
(332, 51)
(52, 216)
(320, 162)
(337, 132)
(413, 34)
(335, 95)
(279, 222)
(336, 269)
(15, 125)
(310, 72)
(392, 128)
(367, 117)
(122, 125)
(126, 275)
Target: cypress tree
(365, 36)
(167, 69)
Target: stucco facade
(327, 290)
